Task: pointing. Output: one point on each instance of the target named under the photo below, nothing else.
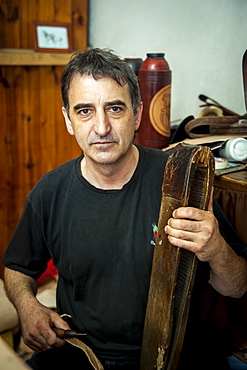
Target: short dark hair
(100, 63)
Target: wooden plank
(28, 12)
(33, 138)
(63, 11)
(4, 144)
(16, 27)
(30, 127)
(46, 11)
(57, 146)
(10, 24)
(68, 148)
(9, 156)
(49, 119)
(27, 57)
(25, 26)
(2, 24)
(80, 24)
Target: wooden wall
(33, 137)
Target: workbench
(231, 194)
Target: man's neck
(110, 176)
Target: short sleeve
(27, 251)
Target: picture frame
(52, 37)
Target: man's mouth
(103, 142)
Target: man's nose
(102, 124)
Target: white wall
(203, 41)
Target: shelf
(28, 57)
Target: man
(94, 217)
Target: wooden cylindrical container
(155, 85)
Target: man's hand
(196, 230)
(37, 322)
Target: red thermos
(155, 85)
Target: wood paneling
(79, 21)
(17, 15)
(33, 136)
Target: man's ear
(138, 116)
(67, 122)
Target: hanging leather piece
(188, 180)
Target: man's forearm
(36, 320)
(20, 288)
(229, 273)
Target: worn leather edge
(96, 364)
(157, 338)
(214, 124)
(203, 162)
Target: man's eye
(116, 109)
(84, 111)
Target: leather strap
(220, 125)
(188, 180)
(96, 364)
(92, 358)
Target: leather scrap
(94, 361)
(221, 125)
(96, 364)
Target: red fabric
(50, 271)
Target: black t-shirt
(101, 242)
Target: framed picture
(52, 37)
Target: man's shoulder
(152, 152)
(154, 157)
(57, 178)
(61, 171)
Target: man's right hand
(37, 323)
(37, 320)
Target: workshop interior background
(203, 42)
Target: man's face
(101, 118)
